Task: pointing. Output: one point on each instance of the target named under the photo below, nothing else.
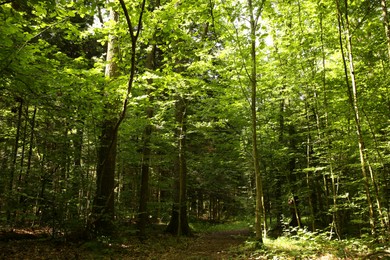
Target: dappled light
(194, 129)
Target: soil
(215, 245)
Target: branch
(128, 20)
(25, 44)
(140, 18)
(259, 11)
(6, 2)
(134, 37)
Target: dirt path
(215, 245)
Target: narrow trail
(203, 246)
(215, 245)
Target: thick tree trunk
(144, 188)
(146, 150)
(103, 205)
(103, 208)
(178, 224)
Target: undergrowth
(205, 226)
(303, 244)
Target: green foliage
(52, 67)
(209, 227)
(308, 245)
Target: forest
(129, 124)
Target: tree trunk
(309, 178)
(383, 214)
(386, 24)
(144, 189)
(335, 218)
(296, 220)
(353, 99)
(278, 192)
(178, 225)
(146, 150)
(22, 177)
(260, 207)
(11, 194)
(103, 205)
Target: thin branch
(5, 2)
(128, 20)
(134, 38)
(25, 44)
(140, 18)
(259, 11)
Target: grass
(300, 244)
(297, 244)
(207, 227)
(313, 245)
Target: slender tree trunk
(24, 199)
(30, 149)
(278, 194)
(335, 218)
(353, 98)
(11, 194)
(260, 207)
(309, 181)
(78, 187)
(383, 214)
(294, 200)
(386, 24)
(22, 179)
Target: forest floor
(23, 244)
(225, 244)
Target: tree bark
(178, 225)
(353, 99)
(260, 207)
(386, 24)
(309, 178)
(103, 205)
(146, 152)
(11, 194)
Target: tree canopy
(160, 111)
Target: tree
(179, 219)
(235, 108)
(103, 205)
(260, 209)
(151, 64)
(104, 197)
